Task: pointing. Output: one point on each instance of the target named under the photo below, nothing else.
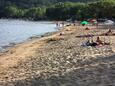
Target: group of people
(98, 42)
(60, 24)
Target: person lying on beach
(86, 28)
(94, 44)
(108, 33)
(88, 43)
(100, 42)
(88, 35)
(89, 28)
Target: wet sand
(59, 60)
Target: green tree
(103, 8)
(11, 11)
(20, 13)
(35, 13)
(63, 11)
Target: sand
(59, 60)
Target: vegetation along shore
(53, 9)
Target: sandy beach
(60, 60)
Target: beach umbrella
(84, 22)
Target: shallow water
(16, 31)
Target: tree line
(35, 3)
(62, 11)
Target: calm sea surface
(16, 31)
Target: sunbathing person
(89, 35)
(93, 44)
(98, 41)
(108, 33)
(89, 43)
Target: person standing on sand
(63, 24)
(56, 24)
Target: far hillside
(57, 9)
(34, 3)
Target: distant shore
(58, 58)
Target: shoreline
(11, 45)
(55, 56)
(5, 47)
(29, 42)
